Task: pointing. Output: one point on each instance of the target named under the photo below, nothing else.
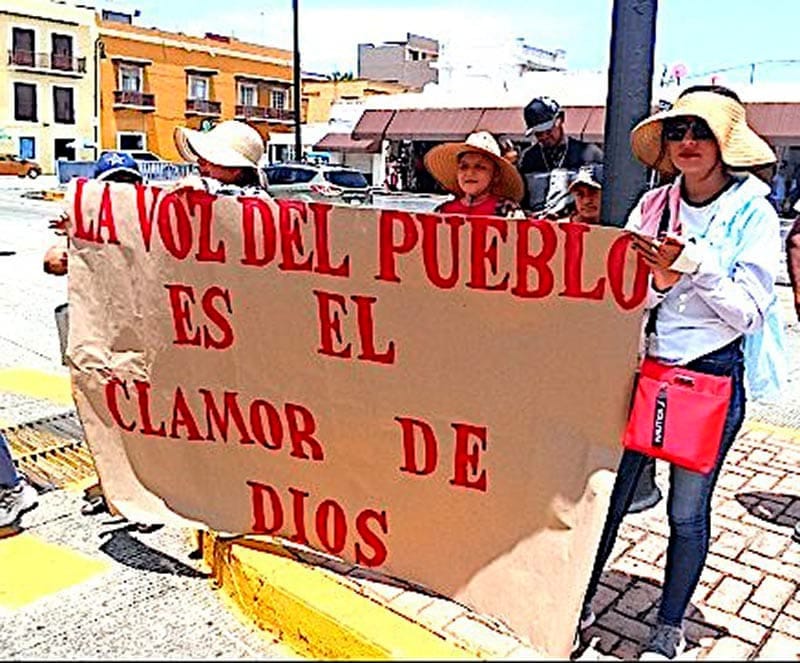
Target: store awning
(594, 125)
(777, 122)
(346, 143)
(508, 121)
(372, 124)
(433, 124)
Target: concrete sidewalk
(746, 607)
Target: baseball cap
(117, 167)
(541, 114)
(590, 175)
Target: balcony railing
(251, 112)
(133, 98)
(280, 114)
(47, 61)
(203, 107)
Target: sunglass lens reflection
(676, 130)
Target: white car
(334, 184)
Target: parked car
(335, 184)
(11, 164)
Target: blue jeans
(689, 502)
(8, 473)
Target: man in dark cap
(553, 159)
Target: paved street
(134, 595)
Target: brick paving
(747, 605)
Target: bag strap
(663, 225)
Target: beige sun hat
(739, 145)
(231, 143)
(442, 163)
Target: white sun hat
(231, 143)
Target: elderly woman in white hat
(484, 183)
(712, 241)
(227, 156)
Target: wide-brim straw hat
(739, 145)
(442, 163)
(231, 143)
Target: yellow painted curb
(786, 433)
(311, 611)
(37, 384)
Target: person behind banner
(110, 167)
(552, 158)
(227, 156)
(586, 188)
(713, 309)
(483, 182)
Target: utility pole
(298, 143)
(629, 100)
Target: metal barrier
(151, 170)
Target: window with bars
(61, 57)
(22, 41)
(248, 94)
(25, 102)
(63, 105)
(279, 99)
(130, 78)
(198, 87)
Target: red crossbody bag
(678, 415)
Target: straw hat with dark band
(739, 145)
(442, 163)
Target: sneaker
(664, 643)
(16, 501)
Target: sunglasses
(675, 130)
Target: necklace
(563, 156)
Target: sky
(701, 35)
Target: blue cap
(117, 167)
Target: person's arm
(793, 262)
(741, 298)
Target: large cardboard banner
(437, 398)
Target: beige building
(406, 62)
(48, 82)
(319, 96)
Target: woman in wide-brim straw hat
(712, 309)
(228, 156)
(483, 182)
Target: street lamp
(298, 146)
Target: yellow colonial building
(153, 81)
(47, 81)
(319, 96)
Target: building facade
(319, 96)
(406, 62)
(49, 81)
(153, 80)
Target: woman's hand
(660, 255)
